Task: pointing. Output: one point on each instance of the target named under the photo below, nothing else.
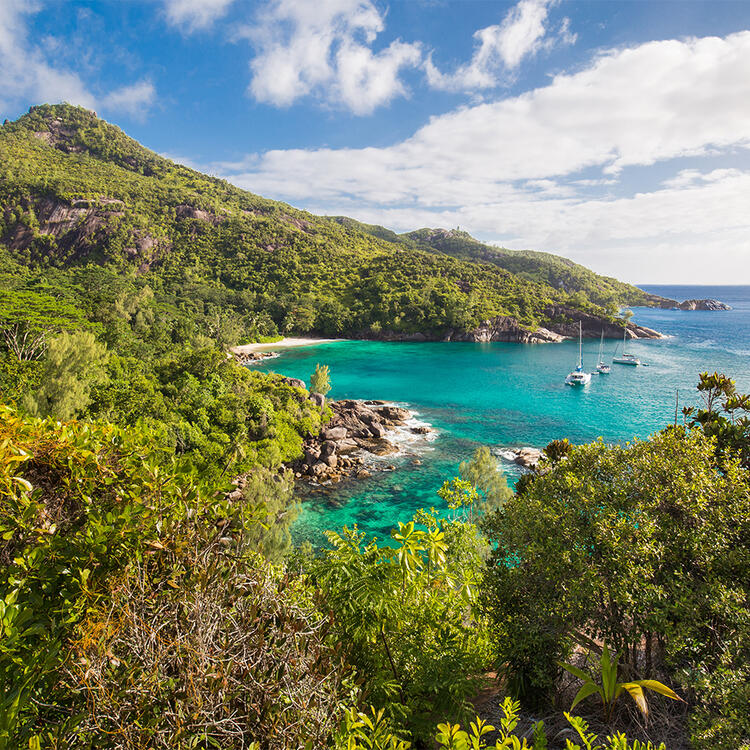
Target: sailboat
(602, 368)
(625, 358)
(578, 376)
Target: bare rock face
(83, 227)
(566, 320)
(507, 329)
(703, 304)
(191, 212)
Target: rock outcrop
(253, 358)
(356, 429)
(80, 228)
(703, 304)
(562, 324)
(508, 329)
(528, 457)
(564, 321)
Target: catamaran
(578, 376)
(602, 368)
(625, 358)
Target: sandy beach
(285, 343)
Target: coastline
(285, 343)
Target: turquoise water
(512, 395)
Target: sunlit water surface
(512, 395)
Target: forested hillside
(553, 270)
(85, 205)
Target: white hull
(578, 378)
(632, 361)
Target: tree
(273, 494)
(28, 320)
(485, 473)
(73, 364)
(725, 417)
(320, 380)
(406, 615)
(642, 546)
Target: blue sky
(614, 133)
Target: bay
(512, 395)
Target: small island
(703, 304)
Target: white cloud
(501, 48)
(523, 170)
(135, 100)
(28, 76)
(193, 15)
(324, 49)
(24, 71)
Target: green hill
(80, 200)
(560, 273)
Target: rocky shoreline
(562, 325)
(357, 432)
(253, 358)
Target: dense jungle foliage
(148, 601)
(553, 270)
(83, 207)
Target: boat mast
(580, 345)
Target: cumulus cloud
(135, 100)
(324, 49)
(24, 71)
(522, 170)
(193, 15)
(27, 74)
(501, 48)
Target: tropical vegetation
(151, 594)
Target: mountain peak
(73, 129)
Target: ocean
(512, 395)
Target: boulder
(311, 455)
(331, 460)
(318, 399)
(363, 474)
(421, 430)
(334, 433)
(346, 446)
(327, 449)
(528, 457)
(377, 430)
(318, 468)
(378, 446)
(394, 413)
(294, 382)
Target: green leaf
(588, 689)
(575, 671)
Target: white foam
(272, 355)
